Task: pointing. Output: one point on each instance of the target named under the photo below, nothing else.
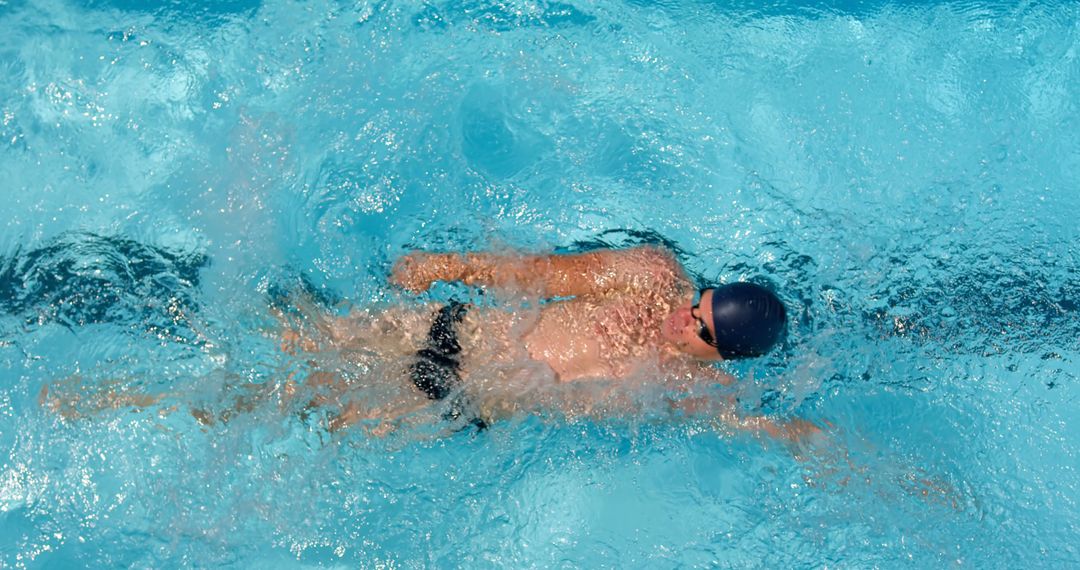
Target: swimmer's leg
(72, 398)
(246, 398)
(378, 421)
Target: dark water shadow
(82, 278)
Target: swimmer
(619, 314)
(600, 320)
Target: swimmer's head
(739, 320)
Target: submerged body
(583, 334)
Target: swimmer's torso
(576, 339)
(588, 337)
(585, 338)
(520, 356)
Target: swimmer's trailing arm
(595, 272)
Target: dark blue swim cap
(749, 320)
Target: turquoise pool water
(904, 173)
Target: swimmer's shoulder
(655, 270)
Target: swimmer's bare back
(606, 325)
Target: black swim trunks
(436, 370)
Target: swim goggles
(703, 331)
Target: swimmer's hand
(794, 431)
(417, 271)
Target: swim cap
(748, 320)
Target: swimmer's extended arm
(723, 410)
(595, 272)
(795, 430)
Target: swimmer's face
(690, 325)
